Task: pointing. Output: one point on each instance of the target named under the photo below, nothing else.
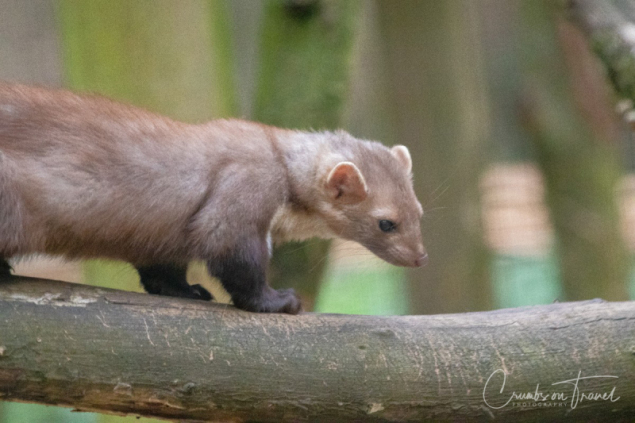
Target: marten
(82, 176)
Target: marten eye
(387, 225)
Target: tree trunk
(172, 57)
(306, 57)
(118, 352)
(577, 153)
(439, 113)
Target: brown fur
(83, 176)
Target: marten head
(371, 200)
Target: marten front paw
(291, 301)
(272, 301)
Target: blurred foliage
(370, 291)
(523, 281)
(34, 413)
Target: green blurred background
(523, 167)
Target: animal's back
(76, 170)
(87, 177)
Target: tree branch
(119, 352)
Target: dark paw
(272, 301)
(200, 293)
(291, 301)
(5, 268)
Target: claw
(203, 293)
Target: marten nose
(422, 260)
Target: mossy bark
(303, 82)
(172, 57)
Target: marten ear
(402, 154)
(346, 183)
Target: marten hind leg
(169, 280)
(243, 274)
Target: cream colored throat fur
(293, 224)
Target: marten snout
(417, 258)
(422, 260)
